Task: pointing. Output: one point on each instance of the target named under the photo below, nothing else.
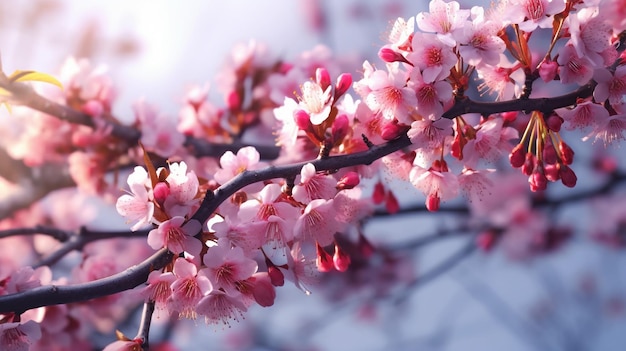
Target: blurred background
(452, 296)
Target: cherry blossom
(444, 18)
(19, 337)
(136, 206)
(433, 57)
(188, 288)
(176, 235)
(247, 158)
(313, 185)
(226, 266)
(388, 94)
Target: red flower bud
(392, 204)
(161, 192)
(341, 259)
(554, 122)
(276, 276)
(324, 261)
(529, 164)
(538, 180)
(567, 154)
(348, 181)
(322, 77)
(391, 131)
(344, 82)
(340, 129)
(389, 55)
(432, 203)
(379, 193)
(517, 156)
(568, 177)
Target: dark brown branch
(144, 325)
(463, 106)
(63, 294)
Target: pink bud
(486, 240)
(554, 122)
(433, 202)
(549, 154)
(348, 181)
(379, 193)
(233, 101)
(392, 204)
(567, 154)
(548, 70)
(340, 129)
(276, 276)
(529, 164)
(303, 120)
(552, 172)
(389, 55)
(538, 180)
(93, 108)
(263, 291)
(517, 156)
(341, 259)
(509, 116)
(324, 260)
(161, 192)
(568, 177)
(391, 131)
(322, 77)
(344, 81)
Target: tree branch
(62, 294)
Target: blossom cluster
(294, 226)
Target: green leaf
(23, 76)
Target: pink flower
(183, 190)
(302, 269)
(247, 158)
(138, 205)
(590, 34)
(609, 130)
(435, 184)
(226, 266)
(248, 236)
(124, 345)
(158, 131)
(445, 18)
(159, 288)
(218, 306)
(433, 57)
(289, 130)
(530, 14)
(401, 33)
(430, 134)
(176, 236)
(188, 288)
(475, 184)
(19, 337)
(610, 86)
(500, 79)
(574, 69)
(583, 115)
(313, 185)
(389, 95)
(316, 101)
(479, 42)
(491, 142)
(27, 278)
(318, 223)
(431, 97)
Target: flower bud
(303, 120)
(509, 116)
(344, 82)
(554, 122)
(548, 70)
(233, 101)
(567, 154)
(341, 259)
(276, 276)
(322, 77)
(529, 164)
(432, 203)
(538, 180)
(517, 156)
(161, 192)
(389, 55)
(568, 177)
(348, 181)
(379, 193)
(340, 129)
(392, 204)
(391, 131)
(323, 261)
(552, 172)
